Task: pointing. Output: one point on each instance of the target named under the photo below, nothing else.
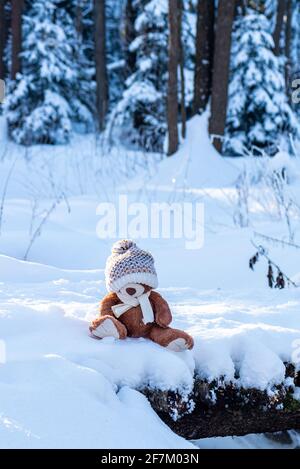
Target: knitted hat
(129, 264)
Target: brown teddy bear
(132, 308)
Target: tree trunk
(288, 41)
(2, 38)
(172, 98)
(226, 10)
(204, 54)
(279, 26)
(16, 32)
(182, 77)
(129, 36)
(101, 65)
(236, 422)
(78, 19)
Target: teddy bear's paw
(178, 345)
(106, 329)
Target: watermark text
(138, 220)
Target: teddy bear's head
(130, 273)
(129, 265)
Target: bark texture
(172, 98)
(101, 65)
(233, 423)
(182, 77)
(204, 54)
(221, 409)
(279, 26)
(226, 10)
(129, 35)
(288, 44)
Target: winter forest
(138, 70)
(174, 126)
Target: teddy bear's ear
(120, 247)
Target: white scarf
(138, 298)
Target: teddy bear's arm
(162, 313)
(106, 304)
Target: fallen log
(224, 409)
(229, 422)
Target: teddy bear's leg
(173, 339)
(108, 326)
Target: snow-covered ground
(60, 388)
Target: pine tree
(295, 47)
(116, 66)
(81, 39)
(271, 12)
(188, 35)
(141, 113)
(3, 38)
(16, 31)
(296, 31)
(139, 118)
(55, 87)
(259, 116)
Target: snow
(261, 367)
(60, 388)
(248, 442)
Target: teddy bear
(132, 307)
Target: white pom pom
(120, 247)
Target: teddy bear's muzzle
(136, 297)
